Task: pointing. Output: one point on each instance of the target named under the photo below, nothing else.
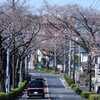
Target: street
(56, 89)
(49, 49)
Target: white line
(64, 83)
(47, 90)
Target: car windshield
(36, 83)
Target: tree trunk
(14, 58)
(69, 60)
(20, 72)
(7, 83)
(90, 66)
(1, 66)
(23, 69)
(27, 66)
(14, 72)
(1, 71)
(17, 69)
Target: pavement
(57, 88)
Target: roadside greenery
(84, 94)
(87, 94)
(13, 93)
(72, 84)
(68, 80)
(94, 97)
(50, 70)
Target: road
(57, 90)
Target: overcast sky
(84, 3)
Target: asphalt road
(57, 90)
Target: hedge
(72, 84)
(77, 90)
(68, 80)
(86, 94)
(94, 97)
(13, 93)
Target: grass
(13, 93)
(94, 97)
(84, 94)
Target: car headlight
(35, 92)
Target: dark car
(36, 88)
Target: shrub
(68, 80)
(94, 97)
(3, 96)
(21, 84)
(86, 94)
(73, 85)
(78, 90)
(13, 93)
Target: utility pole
(69, 61)
(74, 59)
(55, 59)
(64, 60)
(74, 67)
(79, 63)
(64, 57)
(55, 51)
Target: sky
(84, 3)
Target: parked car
(36, 88)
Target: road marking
(47, 90)
(64, 83)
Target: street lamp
(64, 68)
(69, 61)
